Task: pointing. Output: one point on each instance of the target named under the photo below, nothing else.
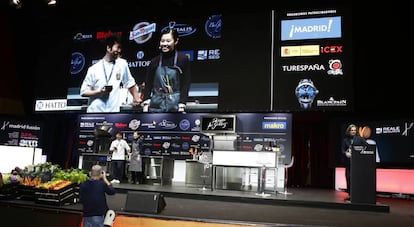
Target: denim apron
(166, 88)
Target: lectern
(363, 174)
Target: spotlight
(16, 3)
(51, 2)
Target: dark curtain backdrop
(311, 148)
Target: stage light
(16, 3)
(51, 2)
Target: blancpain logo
(331, 102)
(301, 68)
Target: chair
(286, 167)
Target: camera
(108, 88)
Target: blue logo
(266, 125)
(167, 124)
(184, 124)
(315, 28)
(188, 53)
(213, 26)
(185, 146)
(77, 63)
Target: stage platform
(305, 207)
(303, 197)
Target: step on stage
(304, 197)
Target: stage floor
(305, 207)
(304, 197)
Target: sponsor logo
(5, 124)
(295, 51)
(102, 35)
(212, 54)
(335, 67)
(388, 130)
(331, 102)
(247, 147)
(77, 63)
(24, 135)
(301, 68)
(28, 143)
(50, 105)
(185, 138)
(258, 147)
(166, 145)
(138, 64)
(195, 138)
(217, 123)
(167, 124)
(87, 124)
(184, 124)
(22, 126)
(188, 53)
(79, 36)
(197, 123)
(185, 146)
(331, 49)
(182, 29)
(273, 125)
(391, 130)
(142, 32)
(213, 26)
(149, 125)
(121, 125)
(89, 143)
(15, 135)
(407, 127)
(314, 28)
(134, 124)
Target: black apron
(166, 88)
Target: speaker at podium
(144, 202)
(363, 174)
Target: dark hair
(171, 31)
(118, 132)
(111, 39)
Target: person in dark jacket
(168, 77)
(93, 197)
(351, 139)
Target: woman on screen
(168, 77)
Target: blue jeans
(93, 221)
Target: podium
(363, 174)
